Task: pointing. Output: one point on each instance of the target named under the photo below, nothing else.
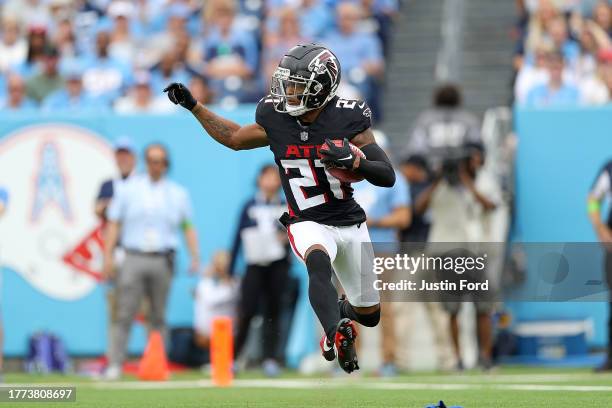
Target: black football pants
(262, 286)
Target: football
(345, 175)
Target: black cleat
(327, 349)
(345, 345)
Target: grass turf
(482, 391)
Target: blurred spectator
(532, 74)
(602, 191)
(146, 214)
(59, 10)
(216, 295)
(200, 90)
(49, 79)
(65, 40)
(359, 53)
(37, 43)
(315, 18)
(286, 36)
(597, 89)
(125, 159)
(559, 36)
(264, 243)
(229, 49)
(557, 91)
(105, 77)
(29, 12)
(122, 37)
(171, 16)
(174, 16)
(16, 99)
(590, 46)
(388, 211)
(168, 70)
(460, 209)
(442, 131)
(188, 53)
(417, 173)
(13, 48)
(72, 97)
(537, 29)
(602, 16)
(231, 53)
(141, 99)
(380, 15)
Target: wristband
(593, 206)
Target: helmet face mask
(293, 92)
(306, 79)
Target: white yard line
(372, 384)
(511, 378)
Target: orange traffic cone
(222, 351)
(153, 364)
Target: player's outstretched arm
(376, 167)
(224, 131)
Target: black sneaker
(345, 345)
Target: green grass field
(505, 388)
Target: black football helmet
(306, 78)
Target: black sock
(321, 291)
(346, 310)
(368, 320)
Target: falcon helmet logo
(304, 136)
(325, 61)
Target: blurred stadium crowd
(563, 53)
(120, 54)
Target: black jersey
(313, 194)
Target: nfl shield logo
(304, 136)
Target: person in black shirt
(417, 173)
(600, 191)
(265, 250)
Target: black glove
(341, 157)
(180, 95)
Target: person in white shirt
(140, 98)
(13, 47)
(216, 296)
(147, 214)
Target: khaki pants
(113, 316)
(141, 276)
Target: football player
(325, 225)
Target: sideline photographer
(460, 204)
(441, 132)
